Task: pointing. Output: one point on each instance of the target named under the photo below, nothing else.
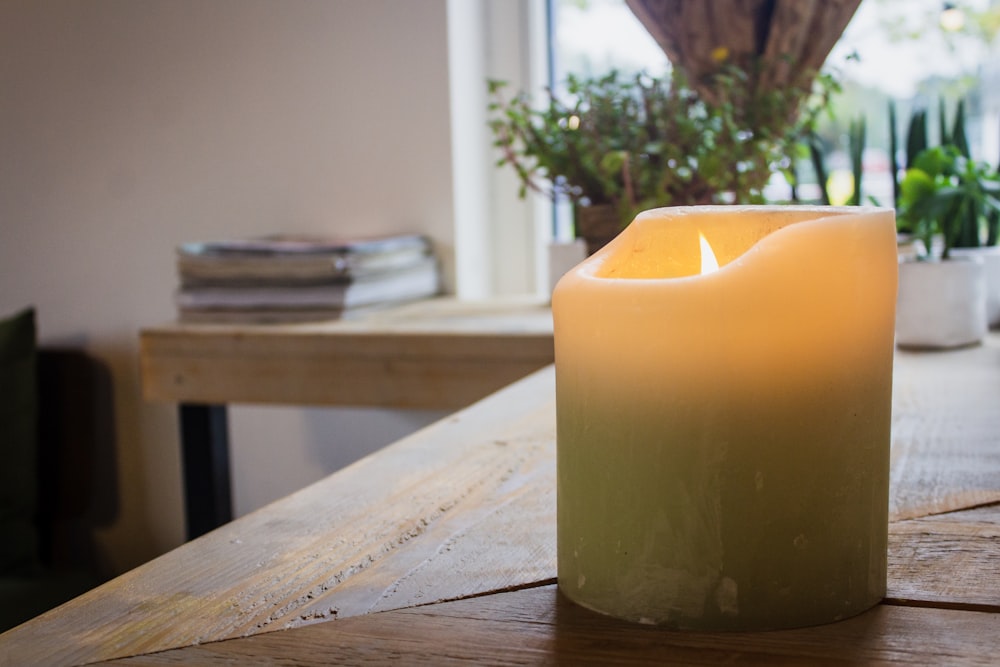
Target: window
(915, 53)
(591, 37)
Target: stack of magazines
(290, 278)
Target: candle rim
(729, 208)
(588, 269)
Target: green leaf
(893, 154)
(936, 161)
(916, 185)
(958, 135)
(611, 163)
(916, 136)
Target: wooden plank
(946, 430)
(463, 507)
(950, 560)
(538, 626)
(436, 354)
(390, 381)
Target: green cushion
(18, 445)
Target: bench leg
(205, 458)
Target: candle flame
(709, 263)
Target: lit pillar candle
(723, 436)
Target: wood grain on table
(441, 548)
(539, 626)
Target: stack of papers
(285, 278)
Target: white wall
(129, 126)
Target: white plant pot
(941, 304)
(990, 256)
(909, 248)
(563, 256)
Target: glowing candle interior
(723, 428)
(708, 261)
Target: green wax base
(765, 513)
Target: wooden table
(440, 549)
(434, 354)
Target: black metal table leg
(205, 452)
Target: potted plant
(988, 252)
(977, 232)
(947, 201)
(615, 145)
